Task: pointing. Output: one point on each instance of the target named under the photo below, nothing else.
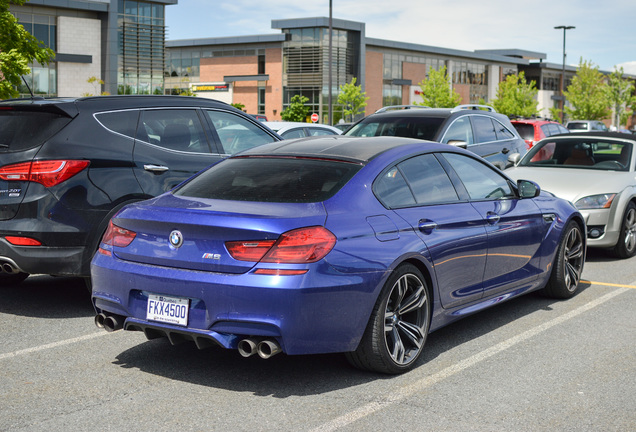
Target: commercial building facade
(122, 43)
(263, 72)
(119, 42)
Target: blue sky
(604, 32)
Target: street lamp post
(562, 104)
(330, 113)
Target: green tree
(238, 105)
(516, 97)
(18, 48)
(297, 110)
(621, 93)
(437, 91)
(587, 94)
(352, 99)
(95, 82)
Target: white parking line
(52, 345)
(398, 395)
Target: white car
(595, 171)
(289, 130)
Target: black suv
(478, 128)
(68, 165)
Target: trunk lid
(203, 226)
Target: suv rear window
(21, 130)
(265, 179)
(525, 130)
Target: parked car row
(70, 164)
(197, 222)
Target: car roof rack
(473, 107)
(399, 107)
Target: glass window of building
(43, 78)
(141, 47)
(306, 66)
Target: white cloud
(628, 67)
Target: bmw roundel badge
(176, 238)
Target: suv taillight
(48, 173)
(299, 246)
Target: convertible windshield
(592, 153)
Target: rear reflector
(280, 272)
(23, 241)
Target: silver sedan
(596, 172)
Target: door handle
(157, 169)
(492, 218)
(426, 227)
(505, 150)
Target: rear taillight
(118, 236)
(299, 246)
(48, 173)
(249, 250)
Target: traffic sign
(314, 117)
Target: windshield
(271, 179)
(403, 126)
(589, 153)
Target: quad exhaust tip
(109, 322)
(265, 348)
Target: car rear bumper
(43, 259)
(321, 311)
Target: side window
(391, 189)
(173, 129)
(481, 181)
(237, 133)
(502, 132)
(428, 180)
(121, 122)
(460, 130)
(294, 133)
(549, 130)
(484, 129)
(319, 131)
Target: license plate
(173, 310)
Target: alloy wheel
(405, 319)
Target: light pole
(565, 28)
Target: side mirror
(458, 143)
(528, 189)
(514, 158)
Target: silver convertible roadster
(595, 171)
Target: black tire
(7, 279)
(397, 330)
(626, 246)
(568, 264)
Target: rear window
(266, 179)
(525, 131)
(577, 126)
(21, 130)
(410, 127)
